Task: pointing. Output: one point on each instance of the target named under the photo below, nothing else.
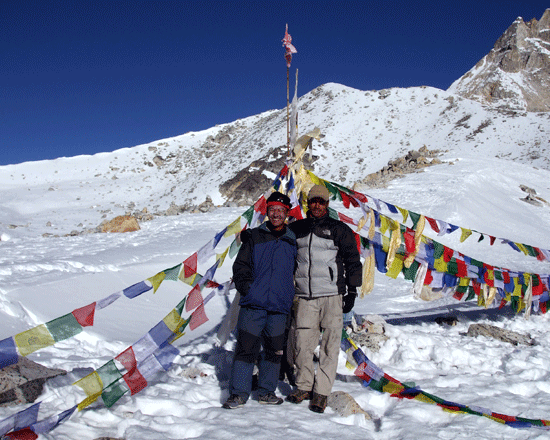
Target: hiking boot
(270, 399)
(298, 396)
(234, 401)
(318, 403)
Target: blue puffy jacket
(263, 270)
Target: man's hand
(348, 301)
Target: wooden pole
(287, 114)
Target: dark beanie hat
(280, 199)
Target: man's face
(318, 207)
(277, 215)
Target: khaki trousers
(315, 317)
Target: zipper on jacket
(309, 268)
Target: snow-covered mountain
(515, 74)
(361, 132)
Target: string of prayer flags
(438, 226)
(374, 377)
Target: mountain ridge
(362, 131)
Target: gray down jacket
(328, 261)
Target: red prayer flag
(198, 317)
(261, 206)
(289, 48)
(194, 299)
(128, 359)
(22, 434)
(433, 224)
(85, 315)
(345, 218)
(135, 381)
(190, 265)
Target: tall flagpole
(289, 50)
(287, 114)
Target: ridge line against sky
(82, 77)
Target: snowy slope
(362, 131)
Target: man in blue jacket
(263, 274)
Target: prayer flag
(64, 327)
(198, 317)
(85, 315)
(156, 280)
(190, 266)
(8, 352)
(289, 48)
(34, 339)
(136, 289)
(194, 299)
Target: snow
(42, 278)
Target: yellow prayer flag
(491, 294)
(156, 280)
(393, 388)
(34, 339)
(384, 224)
(372, 225)
(404, 213)
(465, 234)
(173, 320)
(362, 221)
(92, 386)
(440, 264)
(222, 256)
(395, 242)
(368, 274)
(233, 228)
(189, 280)
(522, 248)
(314, 178)
(396, 267)
(385, 243)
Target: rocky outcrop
(122, 223)
(515, 75)
(501, 334)
(412, 162)
(24, 381)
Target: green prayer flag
(109, 373)
(64, 327)
(414, 217)
(113, 392)
(249, 214)
(172, 273)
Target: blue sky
(82, 77)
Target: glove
(348, 301)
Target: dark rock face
(515, 75)
(23, 382)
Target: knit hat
(318, 191)
(279, 199)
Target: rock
(23, 382)
(501, 334)
(122, 223)
(370, 333)
(345, 405)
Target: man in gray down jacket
(328, 273)
(263, 274)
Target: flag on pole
(289, 48)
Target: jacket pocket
(331, 273)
